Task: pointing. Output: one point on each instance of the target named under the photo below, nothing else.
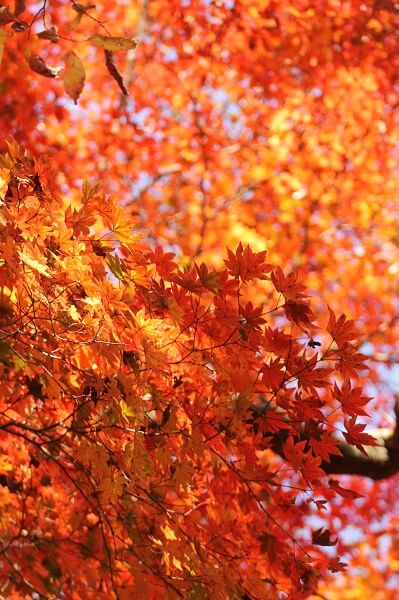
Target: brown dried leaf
(113, 71)
(38, 65)
(49, 34)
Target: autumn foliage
(198, 257)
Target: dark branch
(381, 462)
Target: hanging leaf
(38, 65)
(114, 43)
(81, 9)
(49, 34)
(113, 71)
(322, 537)
(75, 75)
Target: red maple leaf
(355, 435)
(163, 260)
(351, 399)
(341, 331)
(344, 492)
(288, 285)
(246, 264)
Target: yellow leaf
(176, 563)
(4, 174)
(34, 264)
(92, 301)
(114, 43)
(169, 533)
(148, 327)
(75, 75)
(127, 411)
(122, 227)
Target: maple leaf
(273, 422)
(127, 411)
(188, 278)
(355, 435)
(341, 331)
(344, 492)
(246, 264)
(288, 285)
(112, 486)
(351, 399)
(350, 361)
(153, 356)
(324, 447)
(163, 260)
(122, 227)
(117, 267)
(294, 452)
(308, 373)
(209, 279)
(32, 257)
(322, 537)
(298, 312)
(176, 311)
(272, 374)
(252, 315)
(80, 220)
(335, 565)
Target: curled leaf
(49, 34)
(19, 26)
(344, 492)
(38, 65)
(322, 537)
(75, 75)
(82, 8)
(114, 43)
(113, 71)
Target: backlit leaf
(114, 43)
(74, 76)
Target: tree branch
(381, 462)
